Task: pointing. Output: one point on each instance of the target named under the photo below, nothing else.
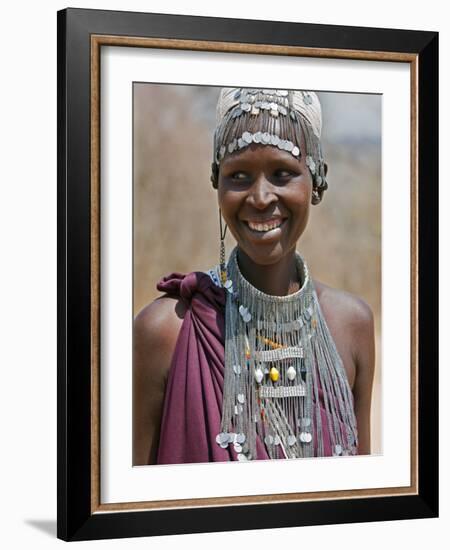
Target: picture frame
(82, 34)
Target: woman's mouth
(265, 226)
(268, 229)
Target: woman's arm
(155, 334)
(364, 358)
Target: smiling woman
(264, 196)
(255, 359)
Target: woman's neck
(279, 279)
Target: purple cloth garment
(193, 400)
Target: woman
(255, 359)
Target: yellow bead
(274, 374)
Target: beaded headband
(271, 117)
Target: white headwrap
(309, 109)
(289, 114)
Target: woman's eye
(283, 174)
(239, 176)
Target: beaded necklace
(278, 351)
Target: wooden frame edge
(110, 40)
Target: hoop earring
(223, 269)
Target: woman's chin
(264, 254)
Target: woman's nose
(261, 193)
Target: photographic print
(295, 378)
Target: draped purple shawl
(193, 399)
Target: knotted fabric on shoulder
(193, 399)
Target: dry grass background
(175, 206)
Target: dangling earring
(316, 198)
(223, 269)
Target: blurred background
(176, 212)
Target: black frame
(75, 520)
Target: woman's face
(265, 195)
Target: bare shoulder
(156, 329)
(343, 306)
(351, 322)
(163, 314)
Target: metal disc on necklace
(240, 438)
(241, 398)
(268, 440)
(305, 437)
(291, 440)
(223, 437)
(238, 448)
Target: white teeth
(264, 226)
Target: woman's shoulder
(350, 320)
(161, 319)
(343, 305)
(157, 325)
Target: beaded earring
(223, 269)
(316, 196)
